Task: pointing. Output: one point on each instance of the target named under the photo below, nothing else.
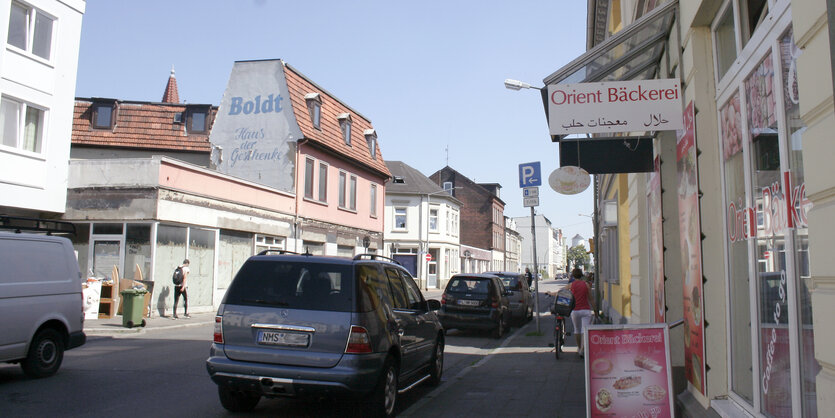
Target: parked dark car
(476, 301)
(309, 326)
(521, 301)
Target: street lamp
(517, 85)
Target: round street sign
(428, 257)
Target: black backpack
(177, 278)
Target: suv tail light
(444, 298)
(494, 303)
(518, 285)
(218, 329)
(358, 341)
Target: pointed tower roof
(170, 95)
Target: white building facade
(37, 85)
(421, 226)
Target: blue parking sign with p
(529, 175)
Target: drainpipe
(296, 212)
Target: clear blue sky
(428, 74)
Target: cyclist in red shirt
(581, 315)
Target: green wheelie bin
(132, 304)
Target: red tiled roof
(170, 95)
(330, 135)
(139, 125)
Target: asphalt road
(161, 373)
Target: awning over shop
(634, 53)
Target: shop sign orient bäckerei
(255, 132)
(620, 106)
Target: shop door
(106, 255)
(432, 277)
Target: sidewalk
(519, 378)
(113, 325)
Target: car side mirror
(433, 304)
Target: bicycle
(559, 335)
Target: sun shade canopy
(634, 53)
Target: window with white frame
(448, 187)
(373, 210)
(30, 30)
(400, 218)
(22, 125)
(314, 107)
(433, 219)
(345, 126)
(343, 181)
(609, 255)
(352, 193)
(323, 182)
(266, 242)
(308, 178)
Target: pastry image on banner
(691, 251)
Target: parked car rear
(308, 326)
(521, 300)
(476, 301)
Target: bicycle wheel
(558, 330)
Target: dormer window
(197, 118)
(104, 114)
(345, 125)
(371, 139)
(314, 106)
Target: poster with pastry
(628, 371)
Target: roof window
(345, 125)
(371, 139)
(103, 114)
(314, 106)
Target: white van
(41, 306)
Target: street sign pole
(530, 178)
(535, 269)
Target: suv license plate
(291, 339)
(466, 302)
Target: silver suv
(310, 326)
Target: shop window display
(739, 219)
(201, 254)
(795, 183)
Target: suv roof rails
(265, 252)
(375, 257)
(20, 224)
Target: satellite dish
(569, 180)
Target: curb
(109, 331)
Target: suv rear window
(293, 285)
(469, 285)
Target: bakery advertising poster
(628, 371)
(656, 241)
(691, 249)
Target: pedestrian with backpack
(581, 315)
(179, 278)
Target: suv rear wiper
(266, 302)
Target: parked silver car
(309, 326)
(521, 300)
